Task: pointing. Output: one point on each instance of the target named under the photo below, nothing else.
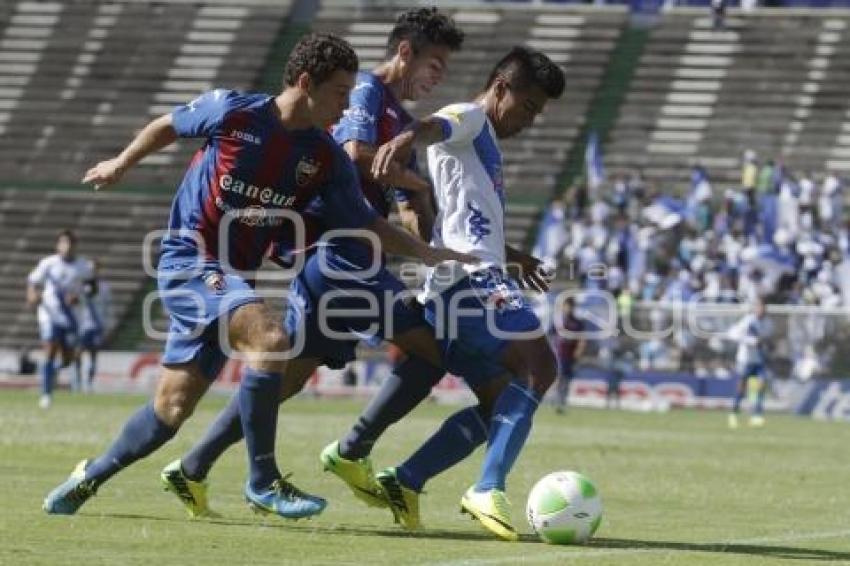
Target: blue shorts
(753, 370)
(335, 279)
(566, 369)
(91, 339)
(471, 350)
(194, 303)
(65, 336)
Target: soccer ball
(564, 508)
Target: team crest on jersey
(214, 280)
(305, 171)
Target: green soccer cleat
(493, 511)
(192, 494)
(402, 501)
(71, 494)
(357, 475)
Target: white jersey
(750, 332)
(466, 172)
(96, 309)
(61, 285)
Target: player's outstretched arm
(418, 214)
(153, 137)
(427, 131)
(397, 241)
(399, 176)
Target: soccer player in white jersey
(56, 285)
(750, 333)
(484, 321)
(94, 321)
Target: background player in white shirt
(56, 286)
(486, 324)
(94, 319)
(750, 333)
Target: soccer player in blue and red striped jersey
(418, 49)
(264, 160)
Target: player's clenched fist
(105, 173)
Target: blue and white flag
(593, 164)
(666, 212)
(772, 262)
(552, 235)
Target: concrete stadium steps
(774, 81)
(78, 78)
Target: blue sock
(739, 396)
(92, 368)
(76, 375)
(457, 438)
(509, 429)
(224, 432)
(409, 384)
(143, 433)
(259, 398)
(48, 376)
(759, 408)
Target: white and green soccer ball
(564, 508)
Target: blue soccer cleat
(284, 499)
(70, 495)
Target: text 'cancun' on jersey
(229, 206)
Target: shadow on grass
(781, 552)
(310, 527)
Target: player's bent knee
(174, 408)
(271, 340)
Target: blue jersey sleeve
(360, 121)
(344, 205)
(202, 117)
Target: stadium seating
(77, 78)
(774, 81)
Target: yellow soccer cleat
(192, 494)
(757, 421)
(493, 511)
(357, 475)
(732, 420)
(402, 501)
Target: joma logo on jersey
(246, 136)
(265, 195)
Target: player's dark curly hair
(523, 67)
(424, 26)
(67, 233)
(319, 55)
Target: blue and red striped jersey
(249, 168)
(374, 116)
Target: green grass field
(678, 488)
